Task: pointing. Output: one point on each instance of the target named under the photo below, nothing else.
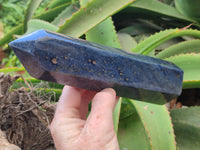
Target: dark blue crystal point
(70, 61)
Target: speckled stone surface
(70, 61)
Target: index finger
(73, 102)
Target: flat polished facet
(70, 61)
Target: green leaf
(33, 5)
(186, 123)
(140, 27)
(156, 8)
(131, 133)
(126, 41)
(90, 15)
(51, 14)
(56, 3)
(84, 2)
(189, 63)
(36, 24)
(147, 46)
(65, 14)
(116, 115)
(189, 8)
(157, 123)
(189, 84)
(104, 33)
(147, 127)
(192, 46)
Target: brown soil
(24, 118)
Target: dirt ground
(24, 118)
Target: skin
(71, 129)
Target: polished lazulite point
(70, 61)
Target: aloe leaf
(84, 2)
(165, 45)
(140, 27)
(186, 123)
(191, 84)
(51, 14)
(56, 3)
(189, 8)
(90, 15)
(104, 33)
(189, 63)
(32, 6)
(192, 46)
(147, 46)
(148, 126)
(157, 123)
(156, 8)
(35, 24)
(65, 14)
(131, 133)
(116, 115)
(126, 41)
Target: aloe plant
(189, 8)
(123, 24)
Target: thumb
(100, 119)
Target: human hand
(70, 128)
